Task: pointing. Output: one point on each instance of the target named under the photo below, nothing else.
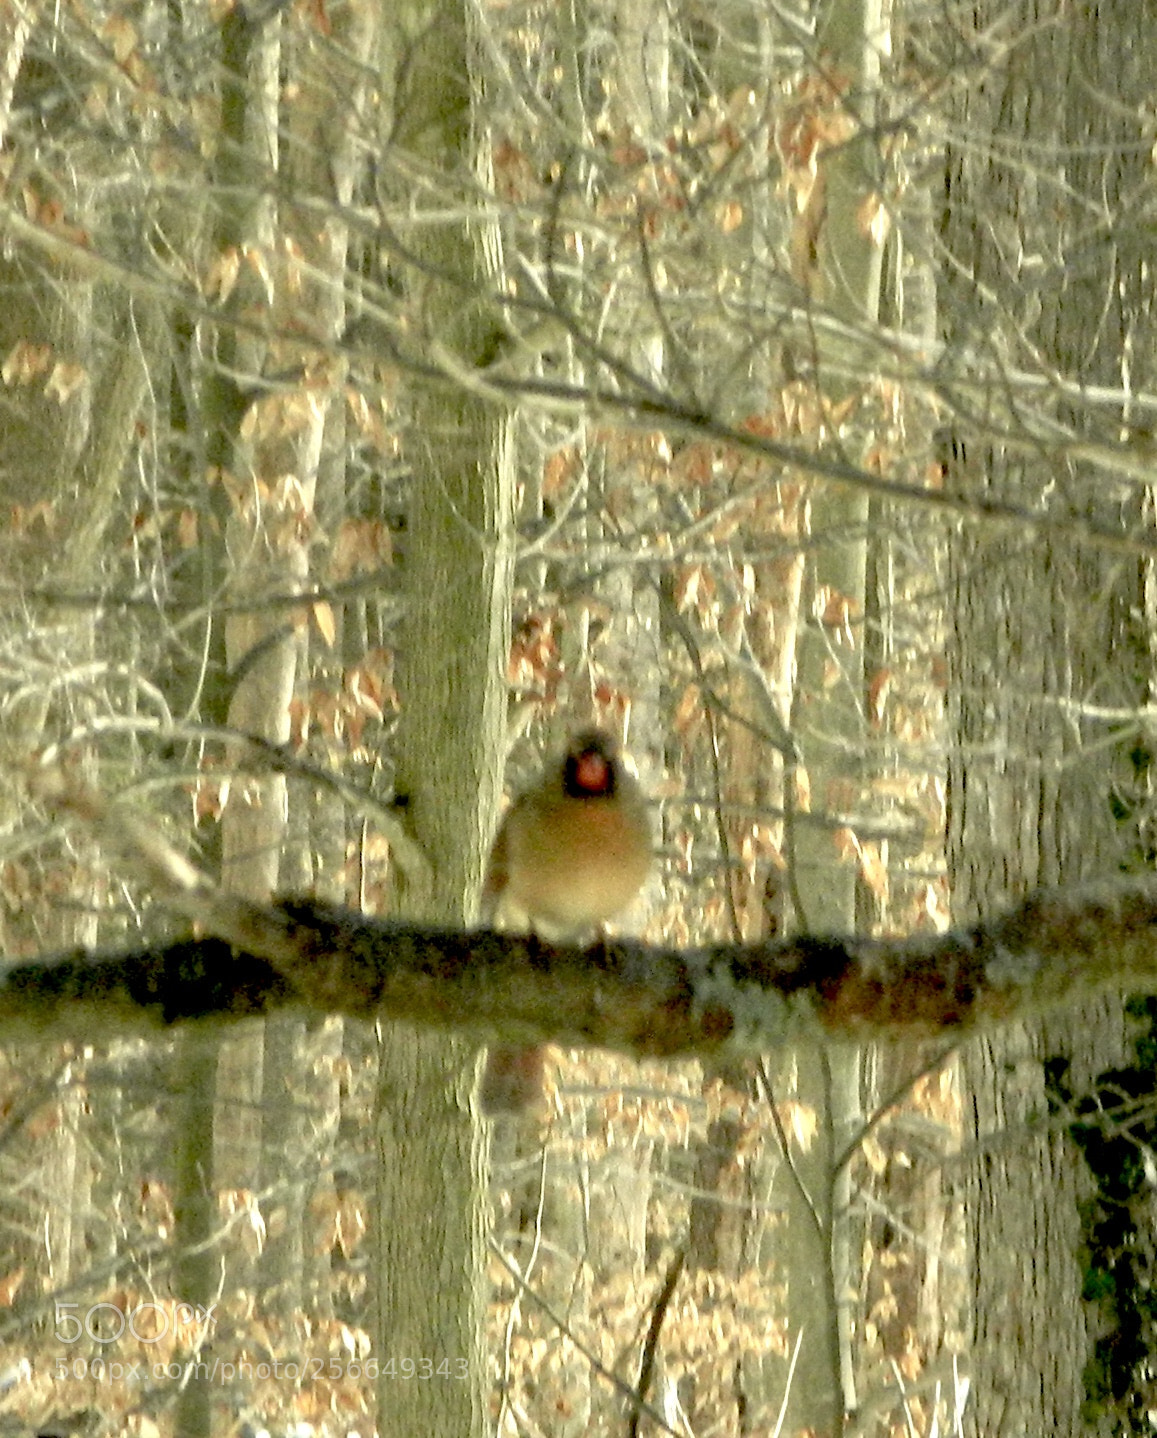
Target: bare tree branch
(1058, 947)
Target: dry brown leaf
(873, 220)
(10, 1285)
(221, 278)
(874, 869)
(65, 380)
(325, 621)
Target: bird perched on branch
(571, 853)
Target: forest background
(387, 390)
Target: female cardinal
(572, 852)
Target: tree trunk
(1040, 630)
(830, 725)
(459, 549)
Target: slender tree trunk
(829, 719)
(431, 1177)
(219, 1140)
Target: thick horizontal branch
(1059, 947)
